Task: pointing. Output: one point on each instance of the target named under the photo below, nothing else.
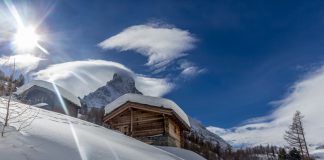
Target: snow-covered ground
(183, 153)
(55, 136)
(318, 154)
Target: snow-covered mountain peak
(119, 85)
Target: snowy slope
(318, 154)
(317, 151)
(183, 153)
(119, 85)
(55, 136)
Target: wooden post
(131, 122)
(165, 125)
(181, 138)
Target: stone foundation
(161, 140)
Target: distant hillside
(201, 130)
(204, 142)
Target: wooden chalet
(49, 96)
(153, 120)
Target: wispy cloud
(189, 69)
(82, 77)
(160, 43)
(23, 62)
(306, 96)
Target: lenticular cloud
(161, 44)
(82, 77)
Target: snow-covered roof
(153, 101)
(49, 86)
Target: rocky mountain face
(92, 105)
(118, 86)
(200, 130)
(204, 142)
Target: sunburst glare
(26, 38)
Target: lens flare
(80, 148)
(26, 38)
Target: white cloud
(219, 131)
(189, 69)
(161, 44)
(82, 77)
(23, 62)
(306, 96)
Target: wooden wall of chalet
(35, 95)
(175, 132)
(147, 124)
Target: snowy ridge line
(153, 101)
(47, 85)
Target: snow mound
(183, 153)
(49, 86)
(318, 154)
(153, 101)
(55, 136)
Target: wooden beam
(154, 109)
(116, 112)
(139, 121)
(149, 132)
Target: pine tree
(282, 154)
(20, 80)
(2, 75)
(295, 136)
(294, 154)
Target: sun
(26, 38)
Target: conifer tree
(294, 154)
(20, 80)
(282, 154)
(295, 136)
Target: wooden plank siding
(144, 122)
(174, 132)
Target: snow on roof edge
(153, 101)
(50, 86)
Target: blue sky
(250, 53)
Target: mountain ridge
(118, 86)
